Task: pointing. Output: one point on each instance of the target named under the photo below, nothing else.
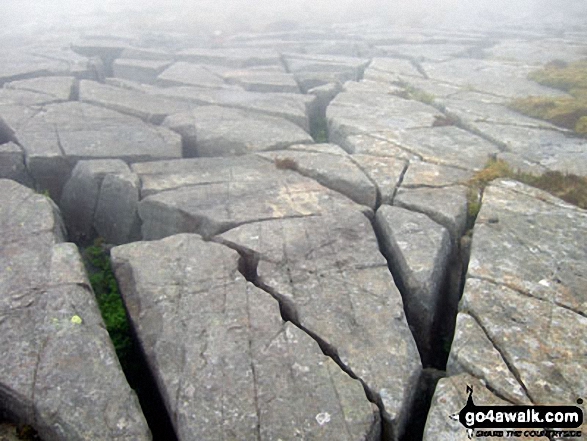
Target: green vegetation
(568, 187)
(106, 290)
(410, 92)
(568, 112)
(319, 129)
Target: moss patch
(410, 92)
(567, 112)
(568, 187)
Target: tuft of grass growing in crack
(109, 301)
(568, 112)
(286, 163)
(410, 92)
(566, 186)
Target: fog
(240, 15)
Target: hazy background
(239, 15)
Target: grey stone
(394, 66)
(381, 115)
(149, 108)
(246, 190)
(230, 57)
(337, 172)
(426, 174)
(60, 88)
(449, 398)
(243, 373)
(366, 144)
(59, 372)
(20, 64)
(116, 218)
(143, 71)
(56, 138)
(264, 82)
(292, 107)
(12, 165)
(81, 194)
(418, 250)
(385, 172)
(221, 131)
(331, 279)
(351, 68)
(448, 145)
(370, 86)
(181, 74)
(526, 279)
(145, 54)
(446, 206)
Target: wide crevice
(126, 343)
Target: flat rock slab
(526, 290)
(59, 372)
(426, 174)
(55, 138)
(260, 81)
(204, 201)
(385, 172)
(231, 57)
(335, 171)
(181, 74)
(418, 250)
(331, 280)
(60, 88)
(375, 114)
(221, 131)
(142, 71)
(243, 373)
(292, 107)
(149, 108)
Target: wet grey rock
(220, 131)
(292, 107)
(59, 372)
(331, 279)
(149, 108)
(526, 277)
(351, 68)
(418, 250)
(143, 71)
(55, 138)
(246, 190)
(391, 66)
(182, 74)
(12, 165)
(81, 194)
(264, 82)
(244, 373)
(60, 88)
(366, 144)
(21, 65)
(446, 206)
(337, 172)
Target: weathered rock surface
(142, 71)
(182, 73)
(12, 164)
(264, 82)
(60, 88)
(417, 249)
(220, 131)
(524, 292)
(247, 190)
(59, 135)
(59, 371)
(243, 373)
(331, 279)
(230, 57)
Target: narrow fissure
(128, 349)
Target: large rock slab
(331, 279)
(335, 171)
(55, 138)
(149, 108)
(59, 371)
(418, 251)
(243, 373)
(12, 165)
(231, 57)
(524, 292)
(182, 74)
(60, 88)
(261, 81)
(211, 195)
(220, 131)
(142, 71)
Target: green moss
(410, 92)
(567, 112)
(109, 301)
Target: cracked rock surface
(243, 373)
(59, 371)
